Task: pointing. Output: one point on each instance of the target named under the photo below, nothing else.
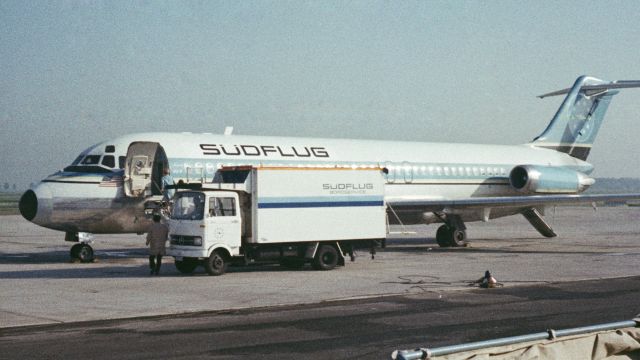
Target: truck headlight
(197, 241)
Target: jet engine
(535, 179)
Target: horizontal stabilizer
(593, 89)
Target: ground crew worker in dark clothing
(156, 240)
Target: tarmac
(39, 285)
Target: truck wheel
(186, 265)
(326, 258)
(216, 264)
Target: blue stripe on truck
(289, 205)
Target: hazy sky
(74, 73)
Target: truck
(294, 216)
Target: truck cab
(203, 222)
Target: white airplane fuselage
(111, 186)
(89, 196)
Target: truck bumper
(182, 252)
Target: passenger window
(222, 206)
(109, 161)
(91, 160)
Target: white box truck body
(291, 215)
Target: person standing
(156, 240)
(167, 180)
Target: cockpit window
(121, 161)
(109, 161)
(91, 160)
(93, 163)
(77, 160)
(90, 164)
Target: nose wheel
(82, 252)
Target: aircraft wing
(431, 204)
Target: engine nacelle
(535, 179)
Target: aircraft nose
(36, 205)
(28, 205)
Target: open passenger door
(144, 168)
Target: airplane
(107, 187)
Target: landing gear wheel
(449, 236)
(326, 258)
(75, 249)
(84, 253)
(186, 265)
(216, 264)
(457, 238)
(443, 235)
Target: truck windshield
(188, 206)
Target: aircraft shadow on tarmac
(62, 256)
(112, 263)
(82, 272)
(87, 271)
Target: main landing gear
(82, 251)
(453, 233)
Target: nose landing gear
(81, 251)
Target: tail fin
(574, 127)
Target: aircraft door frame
(144, 166)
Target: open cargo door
(144, 168)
